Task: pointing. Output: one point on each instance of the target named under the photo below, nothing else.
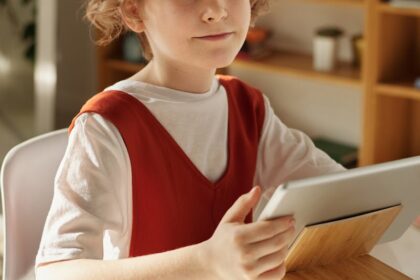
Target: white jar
(325, 53)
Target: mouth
(215, 37)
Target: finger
(271, 261)
(262, 230)
(242, 206)
(271, 245)
(274, 274)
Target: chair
(27, 180)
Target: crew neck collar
(142, 88)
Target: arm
(286, 154)
(237, 250)
(90, 214)
(184, 263)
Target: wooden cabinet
(391, 62)
(392, 103)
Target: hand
(249, 251)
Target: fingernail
(253, 190)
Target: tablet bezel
(349, 193)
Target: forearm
(183, 263)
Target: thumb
(242, 206)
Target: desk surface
(402, 254)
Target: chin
(222, 65)
(219, 62)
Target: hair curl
(105, 16)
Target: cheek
(247, 16)
(174, 43)
(170, 36)
(178, 28)
(241, 16)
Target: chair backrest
(27, 184)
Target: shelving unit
(392, 103)
(391, 61)
(356, 3)
(300, 65)
(401, 89)
(385, 8)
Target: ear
(130, 13)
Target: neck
(175, 76)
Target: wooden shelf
(300, 65)
(404, 11)
(354, 3)
(401, 89)
(124, 66)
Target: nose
(214, 11)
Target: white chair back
(27, 184)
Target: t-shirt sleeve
(90, 214)
(286, 154)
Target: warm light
(46, 65)
(5, 65)
(45, 90)
(45, 76)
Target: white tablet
(349, 193)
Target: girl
(157, 176)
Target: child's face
(175, 30)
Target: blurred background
(16, 75)
(47, 67)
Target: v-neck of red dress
(176, 147)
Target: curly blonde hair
(106, 16)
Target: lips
(215, 37)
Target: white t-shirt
(91, 212)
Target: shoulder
(242, 91)
(108, 100)
(237, 84)
(111, 105)
(248, 99)
(94, 126)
